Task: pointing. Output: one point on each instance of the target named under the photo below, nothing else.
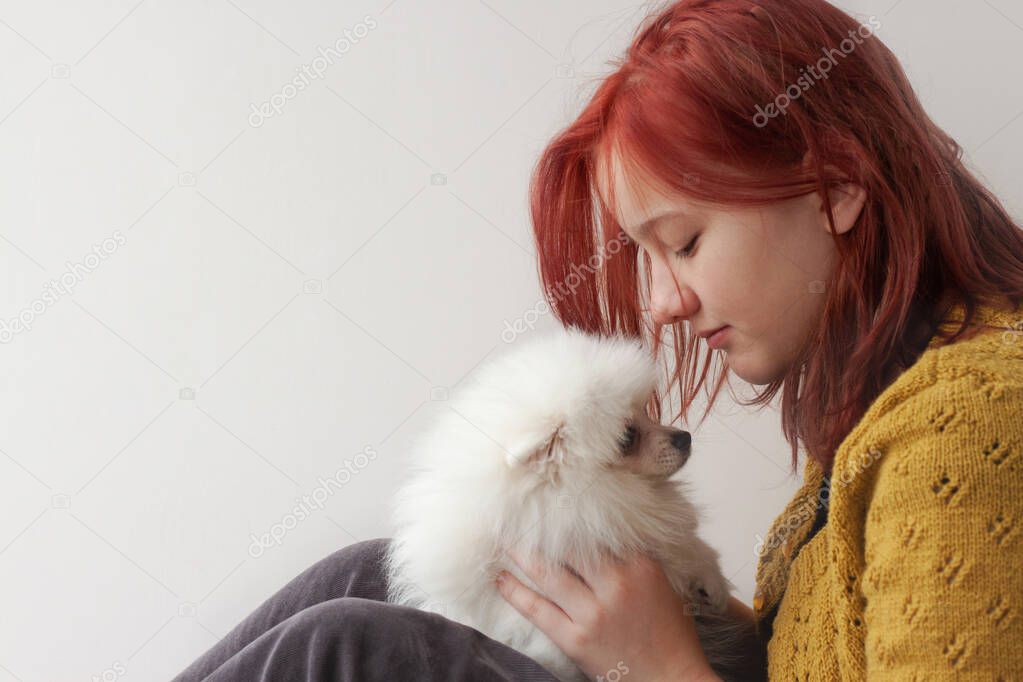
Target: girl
(787, 201)
(779, 180)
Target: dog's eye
(629, 439)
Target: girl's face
(759, 270)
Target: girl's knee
(344, 617)
(362, 553)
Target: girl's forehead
(640, 207)
(635, 199)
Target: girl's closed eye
(688, 250)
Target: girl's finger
(570, 593)
(610, 574)
(541, 612)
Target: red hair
(703, 102)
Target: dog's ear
(541, 454)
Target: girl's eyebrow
(647, 225)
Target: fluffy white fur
(529, 456)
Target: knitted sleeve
(943, 581)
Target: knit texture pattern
(918, 572)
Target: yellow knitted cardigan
(918, 572)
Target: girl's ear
(847, 202)
(846, 205)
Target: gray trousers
(331, 623)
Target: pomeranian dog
(548, 449)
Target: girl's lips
(718, 338)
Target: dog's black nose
(682, 440)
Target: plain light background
(279, 294)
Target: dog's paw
(711, 589)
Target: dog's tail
(731, 647)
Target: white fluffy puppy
(548, 450)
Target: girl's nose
(669, 301)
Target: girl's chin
(751, 371)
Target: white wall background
(280, 296)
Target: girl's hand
(623, 618)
